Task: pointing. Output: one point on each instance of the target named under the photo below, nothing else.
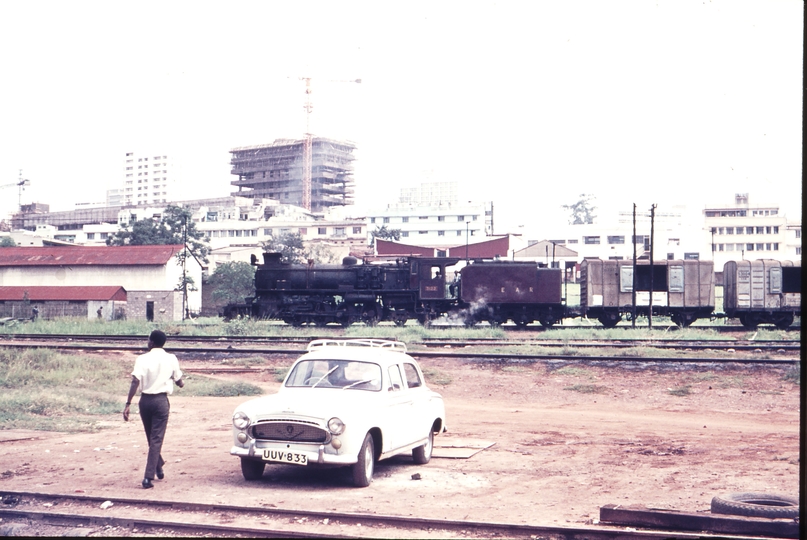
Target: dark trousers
(154, 409)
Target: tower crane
(21, 184)
(307, 146)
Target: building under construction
(278, 171)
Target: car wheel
(422, 454)
(252, 469)
(363, 469)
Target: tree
(387, 234)
(582, 211)
(289, 245)
(7, 241)
(176, 227)
(232, 282)
(321, 254)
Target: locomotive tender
(756, 292)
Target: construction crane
(307, 147)
(21, 184)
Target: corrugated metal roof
(87, 256)
(51, 293)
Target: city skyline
(524, 105)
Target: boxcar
(682, 289)
(762, 292)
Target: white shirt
(156, 370)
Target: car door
(398, 404)
(416, 418)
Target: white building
(430, 215)
(148, 178)
(746, 231)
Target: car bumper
(315, 456)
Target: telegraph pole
(652, 241)
(633, 285)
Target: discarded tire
(766, 505)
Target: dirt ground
(567, 439)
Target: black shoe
(160, 474)
(147, 483)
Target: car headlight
(336, 426)
(240, 420)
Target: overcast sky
(527, 104)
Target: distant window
(386, 220)
(405, 219)
(591, 240)
(749, 230)
(573, 240)
(460, 218)
(776, 231)
(339, 231)
(760, 230)
(90, 236)
(267, 232)
(372, 220)
(760, 247)
(616, 240)
(441, 218)
(459, 233)
(670, 256)
(404, 234)
(798, 232)
(740, 230)
(423, 232)
(104, 235)
(749, 247)
(322, 230)
(356, 230)
(441, 233)
(691, 256)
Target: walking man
(155, 372)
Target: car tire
(423, 453)
(764, 505)
(252, 469)
(363, 469)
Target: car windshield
(345, 374)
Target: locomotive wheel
(400, 319)
(784, 321)
(547, 323)
(610, 320)
(748, 321)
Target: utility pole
(467, 223)
(633, 285)
(184, 262)
(652, 241)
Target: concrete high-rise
(277, 170)
(148, 179)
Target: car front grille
(289, 431)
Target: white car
(345, 402)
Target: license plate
(281, 456)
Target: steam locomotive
(756, 292)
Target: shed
(51, 302)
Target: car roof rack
(398, 346)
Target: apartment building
(747, 231)
(148, 178)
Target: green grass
(680, 391)
(199, 386)
(437, 377)
(793, 375)
(588, 388)
(41, 389)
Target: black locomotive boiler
(408, 288)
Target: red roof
(51, 293)
(87, 256)
(487, 249)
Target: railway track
(44, 514)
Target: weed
(588, 389)
(680, 391)
(574, 372)
(437, 377)
(793, 375)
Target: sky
(524, 104)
